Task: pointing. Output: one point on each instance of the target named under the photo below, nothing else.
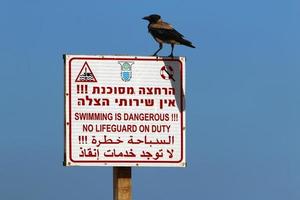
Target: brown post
(122, 183)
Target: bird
(164, 32)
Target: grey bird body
(163, 32)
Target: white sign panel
(124, 111)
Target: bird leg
(160, 47)
(171, 55)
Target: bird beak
(146, 18)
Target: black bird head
(152, 18)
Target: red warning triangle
(86, 74)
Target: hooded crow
(163, 32)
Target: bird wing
(164, 26)
(164, 31)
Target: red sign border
(131, 59)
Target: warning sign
(86, 74)
(124, 111)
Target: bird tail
(186, 43)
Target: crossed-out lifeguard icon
(167, 72)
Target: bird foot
(171, 55)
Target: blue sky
(243, 100)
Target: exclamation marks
(86, 89)
(174, 117)
(82, 139)
(82, 89)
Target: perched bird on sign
(163, 32)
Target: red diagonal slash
(170, 75)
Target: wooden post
(122, 183)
